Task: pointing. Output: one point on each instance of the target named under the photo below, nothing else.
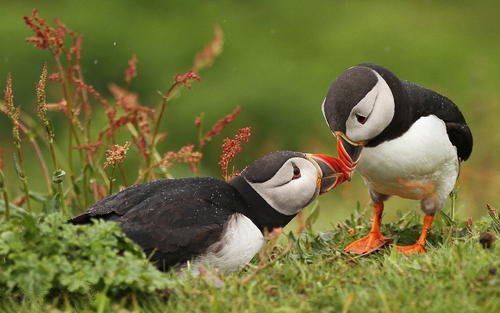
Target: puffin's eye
(296, 172)
(361, 119)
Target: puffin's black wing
(427, 102)
(172, 220)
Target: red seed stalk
(231, 147)
(209, 53)
(185, 155)
(219, 126)
(131, 71)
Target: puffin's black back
(428, 102)
(413, 102)
(172, 219)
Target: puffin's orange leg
(418, 247)
(375, 240)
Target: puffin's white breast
(239, 243)
(422, 155)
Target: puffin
(403, 139)
(204, 220)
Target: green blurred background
(279, 59)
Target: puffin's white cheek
(303, 190)
(379, 117)
(286, 195)
(354, 129)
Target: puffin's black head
(358, 107)
(288, 181)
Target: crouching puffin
(404, 140)
(206, 220)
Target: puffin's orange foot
(367, 244)
(411, 249)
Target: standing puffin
(206, 220)
(404, 140)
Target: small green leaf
(446, 218)
(38, 196)
(55, 203)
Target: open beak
(349, 153)
(332, 174)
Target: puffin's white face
(372, 114)
(293, 186)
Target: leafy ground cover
(95, 268)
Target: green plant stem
(6, 203)
(159, 118)
(86, 137)
(453, 204)
(55, 165)
(22, 174)
(45, 171)
(123, 174)
(85, 190)
(163, 105)
(4, 195)
(39, 155)
(26, 130)
(111, 178)
(72, 133)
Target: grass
(311, 273)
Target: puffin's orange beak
(332, 174)
(349, 153)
